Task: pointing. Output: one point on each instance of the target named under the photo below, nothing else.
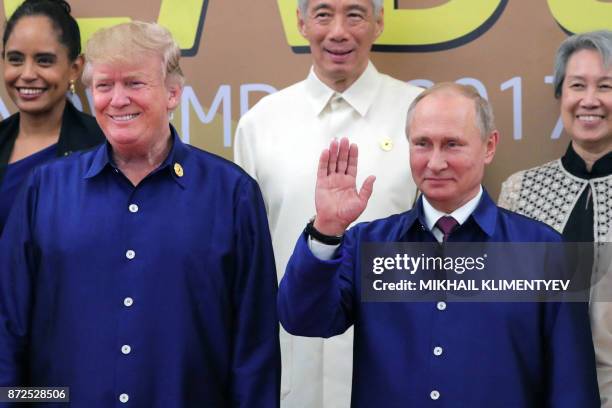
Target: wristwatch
(310, 230)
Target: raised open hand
(337, 201)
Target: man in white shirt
(278, 140)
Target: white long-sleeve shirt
(279, 142)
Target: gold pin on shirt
(386, 144)
(178, 170)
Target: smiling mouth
(31, 91)
(339, 53)
(124, 118)
(590, 118)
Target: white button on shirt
(128, 301)
(130, 254)
(437, 351)
(124, 398)
(435, 394)
(441, 305)
(126, 349)
(133, 208)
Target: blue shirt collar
(485, 215)
(173, 163)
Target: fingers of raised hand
(323, 164)
(333, 156)
(352, 160)
(366, 188)
(343, 155)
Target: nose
(28, 72)
(337, 30)
(437, 161)
(120, 97)
(590, 98)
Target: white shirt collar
(360, 95)
(461, 214)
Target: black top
(579, 227)
(79, 131)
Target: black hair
(58, 11)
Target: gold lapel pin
(178, 170)
(386, 144)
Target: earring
(72, 87)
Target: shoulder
(396, 86)
(217, 167)
(389, 228)
(524, 229)
(511, 188)
(66, 169)
(270, 104)
(550, 166)
(9, 125)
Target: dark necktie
(447, 225)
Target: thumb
(366, 189)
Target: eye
(102, 86)
(606, 86)
(135, 84)
(14, 59)
(45, 60)
(576, 85)
(322, 15)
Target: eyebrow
(351, 7)
(321, 6)
(582, 77)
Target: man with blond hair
(140, 273)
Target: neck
(591, 153)
(42, 126)
(137, 164)
(339, 84)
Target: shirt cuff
(322, 251)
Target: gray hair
(124, 43)
(484, 111)
(377, 4)
(600, 41)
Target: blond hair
(124, 43)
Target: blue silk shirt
(160, 295)
(428, 354)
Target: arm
(571, 361)
(18, 262)
(243, 149)
(256, 354)
(601, 322)
(315, 296)
(510, 192)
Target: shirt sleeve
(18, 262)
(316, 296)
(571, 360)
(256, 354)
(243, 147)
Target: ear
(491, 146)
(175, 90)
(300, 22)
(380, 22)
(76, 68)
